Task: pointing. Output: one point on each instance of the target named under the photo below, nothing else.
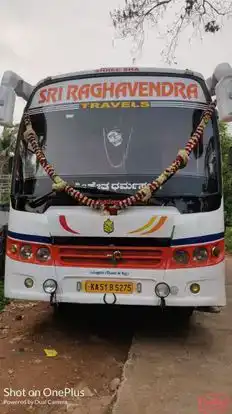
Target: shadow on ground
(117, 324)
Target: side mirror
(7, 104)
(230, 157)
(224, 98)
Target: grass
(3, 300)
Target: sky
(45, 38)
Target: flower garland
(144, 194)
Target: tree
(7, 148)
(8, 139)
(202, 15)
(226, 143)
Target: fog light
(195, 288)
(43, 254)
(26, 251)
(162, 290)
(49, 286)
(216, 251)
(200, 254)
(181, 256)
(28, 282)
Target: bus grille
(108, 256)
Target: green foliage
(8, 138)
(228, 239)
(226, 143)
(7, 148)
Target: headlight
(181, 256)
(43, 254)
(49, 286)
(216, 251)
(200, 254)
(26, 251)
(162, 290)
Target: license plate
(125, 288)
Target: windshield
(120, 149)
(116, 144)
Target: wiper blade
(32, 200)
(184, 196)
(38, 201)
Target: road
(123, 360)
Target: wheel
(2, 265)
(2, 252)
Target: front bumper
(210, 278)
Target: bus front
(107, 135)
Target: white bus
(85, 232)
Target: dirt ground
(92, 345)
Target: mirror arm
(221, 71)
(22, 89)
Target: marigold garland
(144, 194)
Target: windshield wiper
(38, 201)
(184, 196)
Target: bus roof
(115, 70)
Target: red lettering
(106, 90)
(154, 87)
(121, 90)
(84, 92)
(143, 89)
(42, 96)
(96, 90)
(109, 89)
(167, 89)
(60, 94)
(72, 92)
(192, 91)
(179, 88)
(52, 95)
(133, 88)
